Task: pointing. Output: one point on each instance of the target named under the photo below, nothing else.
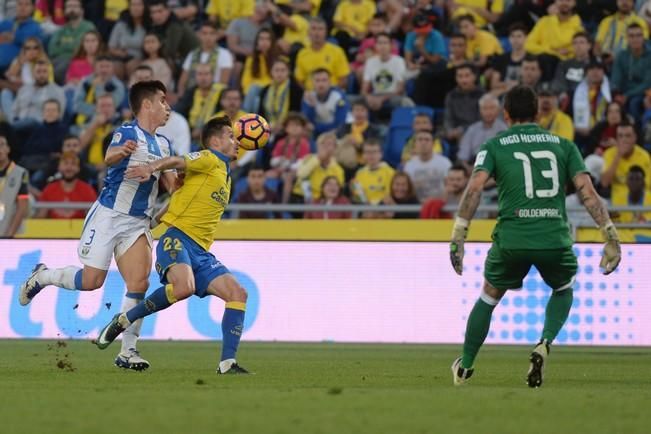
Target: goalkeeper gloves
(612, 253)
(459, 233)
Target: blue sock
(232, 325)
(135, 295)
(78, 280)
(160, 299)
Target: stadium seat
(400, 130)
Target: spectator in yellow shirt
(551, 118)
(257, 68)
(304, 7)
(637, 194)
(351, 22)
(314, 168)
(295, 33)
(611, 35)
(321, 54)
(483, 11)
(222, 12)
(619, 159)
(480, 44)
(553, 34)
(372, 182)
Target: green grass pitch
(319, 388)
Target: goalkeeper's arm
(597, 209)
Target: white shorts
(107, 233)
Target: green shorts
(506, 268)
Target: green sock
(479, 322)
(558, 308)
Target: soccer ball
(252, 131)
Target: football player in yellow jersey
(183, 258)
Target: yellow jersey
(622, 199)
(229, 10)
(330, 57)
(310, 170)
(316, 5)
(483, 44)
(496, 6)
(639, 157)
(558, 123)
(198, 205)
(550, 34)
(611, 35)
(298, 36)
(247, 74)
(355, 15)
(372, 185)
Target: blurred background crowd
(370, 102)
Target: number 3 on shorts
(90, 238)
(171, 244)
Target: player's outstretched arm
(612, 254)
(143, 173)
(467, 208)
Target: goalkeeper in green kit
(531, 168)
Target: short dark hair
(465, 17)
(163, 3)
(626, 123)
(521, 103)
(518, 27)
(71, 136)
(466, 65)
(637, 169)
(634, 26)
(52, 101)
(319, 71)
(372, 141)
(208, 23)
(103, 58)
(383, 35)
(214, 127)
(459, 167)
(359, 102)
(144, 90)
(458, 35)
(143, 67)
(531, 58)
(582, 34)
(256, 167)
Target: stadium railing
(356, 210)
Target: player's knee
(139, 286)
(90, 283)
(184, 290)
(239, 294)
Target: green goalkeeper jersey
(531, 167)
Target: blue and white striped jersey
(128, 196)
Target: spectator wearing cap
(611, 35)
(550, 117)
(480, 44)
(423, 46)
(631, 74)
(102, 81)
(67, 188)
(14, 32)
(590, 101)
(350, 22)
(320, 54)
(570, 72)
(64, 42)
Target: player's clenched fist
(127, 149)
(459, 233)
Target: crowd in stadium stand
(370, 102)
